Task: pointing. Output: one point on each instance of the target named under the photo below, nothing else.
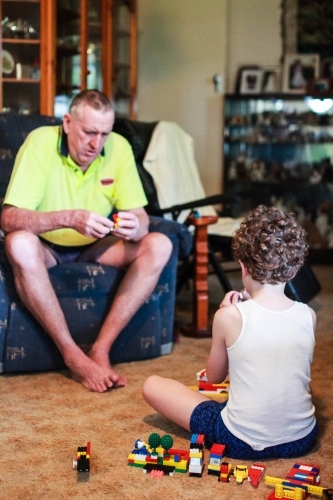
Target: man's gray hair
(93, 98)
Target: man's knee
(22, 247)
(159, 247)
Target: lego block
(255, 473)
(82, 461)
(217, 449)
(240, 473)
(225, 472)
(168, 471)
(157, 473)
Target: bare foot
(101, 357)
(87, 372)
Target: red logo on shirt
(107, 182)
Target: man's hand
(126, 225)
(90, 224)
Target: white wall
(181, 45)
(253, 36)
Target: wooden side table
(199, 327)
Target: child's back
(269, 369)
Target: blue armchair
(85, 291)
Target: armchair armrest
(179, 234)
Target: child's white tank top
(269, 367)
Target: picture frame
(298, 69)
(271, 79)
(320, 87)
(250, 80)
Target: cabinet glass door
(78, 50)
(68, 56)
(124, 54)
(20, 56)
(94, 45)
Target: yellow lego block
(214, 467)
(160, 451)
(182, 465)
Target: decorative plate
(8, 63)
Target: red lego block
(305, 473)
(217, 449)
(201, 439)
(255, 473)
(182, 453)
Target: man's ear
(66, 122)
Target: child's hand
(233, 297)
(243, 295)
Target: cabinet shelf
(278, 150)
(21, 41)
(278, 127)
(21, 80)
(279, 143)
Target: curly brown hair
(271, 245)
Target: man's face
(87, 130)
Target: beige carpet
(46, 416)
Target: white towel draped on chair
(171, 163)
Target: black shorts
(84, 253)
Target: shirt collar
(63, 143)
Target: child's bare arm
(227, 325)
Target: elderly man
(65, 183)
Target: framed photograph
(326, 69)
(298, 69)
(320, 87)
(250, 80)
(271, 77)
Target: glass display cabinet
(278, 150)
(52, 49)
(21, 78)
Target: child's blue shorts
(206, 419)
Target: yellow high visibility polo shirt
(46, 179)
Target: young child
(266, 344)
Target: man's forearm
(18, 219)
